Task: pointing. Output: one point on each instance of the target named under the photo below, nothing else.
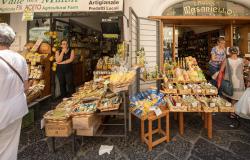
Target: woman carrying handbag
(232, 84)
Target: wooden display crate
(58, 128)
(84, 121)
(90, 131)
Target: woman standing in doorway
(218, 54)
(64, 59)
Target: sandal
(232, 116)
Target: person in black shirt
(64, 59)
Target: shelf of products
(198, 46)
(83, 114)
(38, 62)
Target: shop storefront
(93, 30)
(132, 60)
(172, 46)
(189, 28)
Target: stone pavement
(227, 143)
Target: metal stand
(111, 113)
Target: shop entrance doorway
(195, 36)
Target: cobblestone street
(227, 143)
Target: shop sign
(11, 6)
(207, 7)
(28, 15)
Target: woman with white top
(13, 105)
(235, 65)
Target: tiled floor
(227, 143)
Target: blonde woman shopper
(13, 83)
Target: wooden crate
(92, 130)
(58, 128)
(84, 121)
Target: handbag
(227, 85)
(12, 68)
(220, 75)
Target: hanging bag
(227, 85)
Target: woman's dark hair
(64, 40)
(233, 50)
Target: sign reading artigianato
(11, 6)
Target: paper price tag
(194, 104)
(170, 87)
(152, 108)
(178, 104)
(158, 112)
(212, 91)
(228, 104)
(42, 123)
(212, 105)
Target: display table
(207, 118)
(148, 137)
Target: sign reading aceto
(11, 6)
(206, 7)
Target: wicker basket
(170, 91)
(212, 91)
(33, 95)
(111, 107)
(119, 88)
(50, 118)
(184, 91)
(226, 109)
(199, 91)
(197, 108)
(210, 109)
(178, 109)
(73, 113)
(55, 128)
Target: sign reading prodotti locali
(11, 6)
(207, 7)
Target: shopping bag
(242, 107)
(220, 77)
(227, 87)
(221, 74)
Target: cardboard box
(91, 131)
(84, 122)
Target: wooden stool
(148, 137)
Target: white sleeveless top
(13, 104)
